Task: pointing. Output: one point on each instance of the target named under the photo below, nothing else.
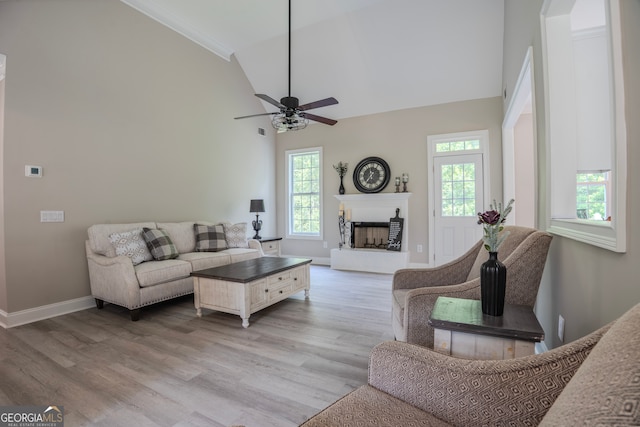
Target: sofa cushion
(368, 406)
(209, 238)
(242, 254)
(131, 244)
(160, 244)
(99, 236)
(204, 260)
(516, 236)
(154, 273)
(181, 234)
(236, 235)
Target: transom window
(445, 147)
(305, 196)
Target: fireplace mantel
(374, 207)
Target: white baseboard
(9, 320)
(314, 260)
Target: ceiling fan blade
(255, 115)
(318, 104)
(271, 101)
(320, 119)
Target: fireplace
(369, 235)
(366, 240)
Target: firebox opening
(370, 235)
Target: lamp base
(257, 225)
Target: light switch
(51, 216)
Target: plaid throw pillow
(160, 244)
(209, 238)
(236, 235)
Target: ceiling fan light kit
(292, 115)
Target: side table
(462, 330)
(271, 246)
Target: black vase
(341, 189)
(493, 284)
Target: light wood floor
(172, 368)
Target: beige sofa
(593, 381)
(118, 280)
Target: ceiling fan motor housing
(290, 102)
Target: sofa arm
(455, 271)
(419, 304)
(255, 244)
(113, 279)
(477, 392)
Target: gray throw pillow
(160, 244)
(209, 238)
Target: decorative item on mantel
(257, 207)
(341, 168)
(397, 184)
(405, 179)
(342, 223)
(493, 273)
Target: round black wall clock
(371, 175)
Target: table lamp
(257, 206)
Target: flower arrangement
(492, 221)
(341, 168)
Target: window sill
(602, 234)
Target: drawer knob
(281, 291)
(279, 278)
(266, 290)
(295, 278)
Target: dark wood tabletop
(251, 269)
(465, 315)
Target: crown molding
(170, 20)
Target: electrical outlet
(324, 245)
(419, 249)
(561, 328)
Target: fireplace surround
(370, 215)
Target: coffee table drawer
(280, 277)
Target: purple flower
(489, 217)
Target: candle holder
(405, 179)
(397, 184)
(341, 225)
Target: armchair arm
(477, 392)
(455, 271)
(113, 279)
(419, 304)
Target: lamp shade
(257, 205)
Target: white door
(458, 195)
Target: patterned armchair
(524, 253)
(592, 381)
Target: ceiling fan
(293, 116)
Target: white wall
(131, 122)
(400, 138)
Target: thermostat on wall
(33, 171)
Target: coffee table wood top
(251, 269)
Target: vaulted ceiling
(372, 55)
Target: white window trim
(287, 158)
(609, 235)
(432, 141)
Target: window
(592, 201)
(459, 190)
(585, 122)
(304, 172)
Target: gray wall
(399, 137)
(131, 122)
(587, 285)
